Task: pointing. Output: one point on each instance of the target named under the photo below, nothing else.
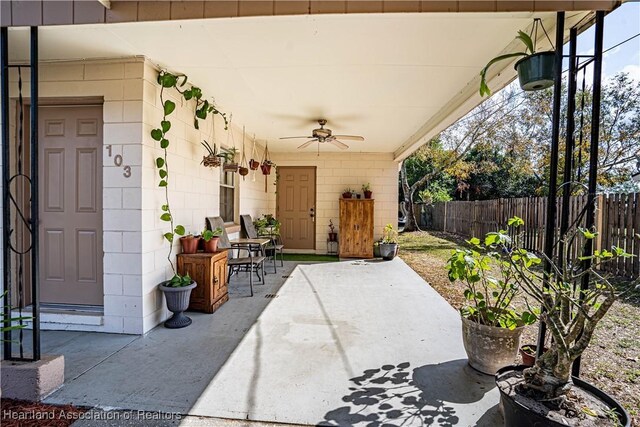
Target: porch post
(553, 167)
(593, 156)
(6, 210)
(35, 294)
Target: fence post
(444, 223)
(599, 220)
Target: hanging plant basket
(254, 164)
(537, 71)
(211, 161)
(266, 168)
(243, 171)
(230, 167)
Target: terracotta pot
(243, 171)
(212, 245)
(333, 237)
(367, 194)
(529, 357)
(189, 244)
(254, 164)
(346, 195)
(265, 168)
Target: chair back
(247, 226)
(214, 222)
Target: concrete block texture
(32, 381)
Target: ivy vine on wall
(202, 110)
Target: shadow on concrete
(395, 395)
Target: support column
(6, 174)
(35, 239)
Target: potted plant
(189, 243)
(366, 190)
(491, 327)
(177, 292)
(229, 156)
(389, 242)
(333, 236)
(346, 193)
(254, 164)
(528, 353)
(212, 159)
(574, 300)
(536, 70)
(267, 225)
(376, 249)
(211, 239)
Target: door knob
(312, 214)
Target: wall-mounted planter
(230, 167)
(537, 71)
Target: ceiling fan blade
(308, 143)
(296, 137)
(350, 137)
(338, 144)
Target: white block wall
(335, 172)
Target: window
(227, 195)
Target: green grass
(310, 257)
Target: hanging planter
(229, 154)
(265, 167)
(536, 70)
(243, 170)
(253, 163)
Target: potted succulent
(211, 239)
(536, 70)
(229, 155)
(333, 236)
(366, 190)
(574, 300)
(347, 193)
(389, 242)
(189, 243)
(212, 159)
(491, 327)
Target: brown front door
(70, 168)
(296, 206)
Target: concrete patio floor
(342, 344)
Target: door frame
(49, 102)
(315, 199)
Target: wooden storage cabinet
(356, 228)
(209, 271)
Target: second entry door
(296, 205)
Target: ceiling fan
(322, 135)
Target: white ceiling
(382, 76)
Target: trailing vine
(202, 109)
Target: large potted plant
(536, 70)
(574, 299)
(491, 327)
(389, 243)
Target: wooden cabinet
(209, 271)
(356, 228)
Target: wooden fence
(617, 220)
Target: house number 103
(117, 160)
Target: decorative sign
(118, 160)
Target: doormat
(311, 257)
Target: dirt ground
(612, 361)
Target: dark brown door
(70, 168)
(296, 204)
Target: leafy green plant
(366, 187)
(202, 109)
(229, 154)
(574, 297)
(6, 324)
(490, 282)
(267, 225)
(389, 234)
(178, 281)
(529, 50)
(210, 234)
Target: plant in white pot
(491, 326)
(573, 300)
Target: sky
(619, 25)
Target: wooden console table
(209, 271)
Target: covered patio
(345, 343)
